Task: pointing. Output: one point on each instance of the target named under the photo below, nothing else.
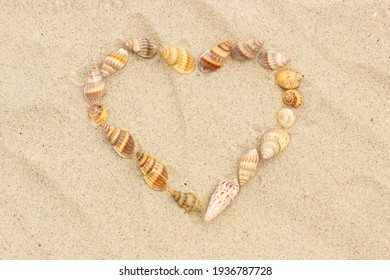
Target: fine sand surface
(65, 194)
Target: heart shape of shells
(155, 174)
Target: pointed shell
(122, 141)
(97, 114)
(246, 50)
(114, 61)
(155, 174)
(94, 88)
(187, 201)
(273, 141)
(179, 59)
(273, 60)
(248, 166)
(222, 197)
(292, 98)
(142, 47)
(213, 59)
(286, 118)
(288, 79)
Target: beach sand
(65, 194)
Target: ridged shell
(95, 88)
(273, 60)
(114, 61)
(155, 174)
(288, 79)
(179, 59)
(246, 50)
(292, 98)
(122, 141)
(97, 114)
(222, 197)
(286, 118)
(142, 47)
(248, 166)
(273, 141)
(213, 59)
(187, 201)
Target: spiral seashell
(122, 141)
(141, 46)
(97, 114)
(222, 197)
(213, 59)
(286, 118)
(248, 166)
(95, 88)
(114, 61)
(273, 141)
(246, 50)
(273, 60)
(292, 98)
(179, 59)
(288, 79)
(155, 174)
(187, 201)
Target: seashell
(222, 197)
(122, 141)
(288, 79)
(179, 59)
(273, 60)
(273, 141)
(292, 98)
(141, 46)
(97, 114)
(114, 61)
(155, 174)
(187, 201)
(248, 166)
(213, 59)
(246, 50)
(95, 88)
(286, 118)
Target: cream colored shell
(286, 118)
(273, 141)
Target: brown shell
(97, 114)
(114, 61)
(142, 47)
(122, 141)
(273, 60)
(187, 201)
(292, 98)
(246, 50)
(94, 88)
(213, 59)
(155, 174)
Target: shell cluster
(141, 46)
(179, 59)
(214, 58)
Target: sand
(65, 194)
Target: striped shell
(248, 166)
(286, 118)
(246, 50)
(122, 141)
(292, 98)
(97, 114)
(142, 47)
(288, 79)
(273, 141)
(222, 197)
(179, 59)
(155, 174)
(213, 59)
(187, 201)
(114, 61)
(95, 88)
(273, 60)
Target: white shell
(286, 118)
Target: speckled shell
(246, 50)
(288, 79)
(122, 141)
(292, 98)
(273, 60)
(248, 166)
(222, 197)
(142, 47)
(155, 174)
(213, 59)
(97, 114)
(187, 201)
(273, 141)
(114, 61)
(179, 59)
(286, 118)
(95, 88)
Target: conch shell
(248, 166)
(246, 50)
(292, 98)
(273, 141)
(288, 79)
(155, 174)
(114, 61)
(97, 114)
(179, 59)
(122, 141)
(273, 60)
(286, 118)
(142, 47)
(94, 88)
(187, 201)
(213, 59)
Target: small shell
(94, 88)
(273, 141)
(286, 118)
(213, 59)
(122, 141)
(141, 46)
(248, 166)
(273, 60)
(246, 50)
(292, 98)
(179, 59)
(97, 114)
(114, 61)
(288, 79)
(222, 197)
(187, 201)
(155, 174)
